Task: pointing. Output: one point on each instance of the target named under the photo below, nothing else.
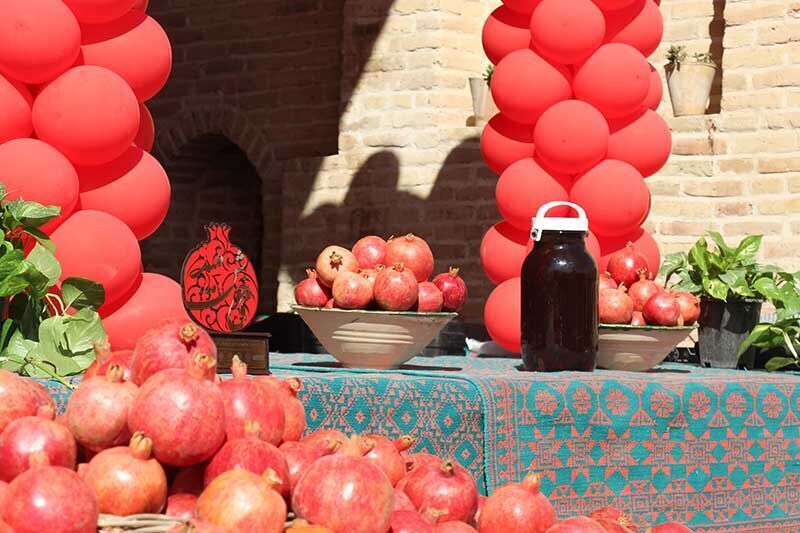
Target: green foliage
(703, 58)
(488, 73)
(676, 54)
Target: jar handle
(536, 232)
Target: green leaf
(720, 242)
(51, 334)
(759, 336)
(31, 214)
(715, 288)
(737, 283)
(83, 329)
(8, 329)
(748, 248)
(698, 256)
(778, 363)
(45, 262)
(80, 292)
(41, 238)
(672, 264)
(688, 285)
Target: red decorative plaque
(219, 284)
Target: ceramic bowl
(373, 339)
(637, 348)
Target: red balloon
(141, 5)
(642, 241)
(525, 7)
(611, 5)
(37, 172)
(503, 315)
(99, 247)
(504, 32)
(639, 25)
(99, 11)
(645, 143)
(567, 32)
(39, 39)
(571, 137)
(615, 80)
(614, 196)
(15, 101)
(134, 188)
(147, 130)
(89, 114)
(135, 47)
(655, 92)
(524, 85)
(504, 142)
(503, 250)
(156, 300)
(524, 187)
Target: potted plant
(731, 285)
(483, 105)
(689, 81)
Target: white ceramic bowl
(637, 348)
(373, 339)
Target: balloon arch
(577, 121)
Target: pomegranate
(196, 526)
(50, 498)
(17, 398)
(517, 507)
(182, 505)
(183, 412)
(670, 527)
(624, 266)
(189, 480)
(429, 298)
(690, 306)
(352, 290)
(333, 261)
(127, 480)
(323, 439)
(416, 460)
(171, 345)
(239, 500)
(330, 304)
(104, 358)
(612, 525)
(45, 400)
(345, 494)
(252, 454)
(410, 522)
(3, 490)
(605, 281)
(638, 319)
(412, 252)
(454, 527)
(578, 524)
(371, 274)
(97, 411)
(612, 514)
(385, 454)
(301, 526)
(614, 306)
(29, 435)
(663, 310)
(443, 485)
(401, 501)
(454, 290)
(481, 502)
(355, 446)
(370, 251)
(247, 399)
(311, 292)
(396, 289)
(643, 290)
(294, 413)
(5, 528)
(299, 457)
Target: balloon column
(577, 122)
(75, 132)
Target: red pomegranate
(3, 490)
(5, 528)
(189, 480)
(401, 501)
(171, 345)
(412, 252)
(638, 319)
(251, 400)
(605, 281)
(29, 435)
(370, 251)
(443, 485)
(670, 527)
(127, 480)
(481, 502)
(45, 400)
(252, 454)
(355, 446)
(454, 527)
(429, 298)
(104, 358)
(17, 398)
(663, 310)
(323, 439)
(612, 525)
(301, 526)
(330, 304)
(183, 412)
(517, 507)
(50, 498)
(371, 274)
(385, 454)
(333, 261)
(352, 290)
(410, 522)
(182, 505)
(614, 306)
(396, 289)
(346, 494)
(612, 514)
(294, 413)
(196, 526)
(578, 524)
(690, 306)
(416, 460)
(641, 291)
(299, 457)
(624, 266)
(239, 500)
(454, 290)
(311, 292)
(97, 411)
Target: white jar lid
(544, 223)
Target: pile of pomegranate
(628, 295)
(156, 431)
(388, 275)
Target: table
(716, 449)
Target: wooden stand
(252, 349)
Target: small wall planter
(483, 105)
(689, 81)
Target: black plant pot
(723, 328)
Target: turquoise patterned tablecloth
(719, 450)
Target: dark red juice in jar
(559, 296)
